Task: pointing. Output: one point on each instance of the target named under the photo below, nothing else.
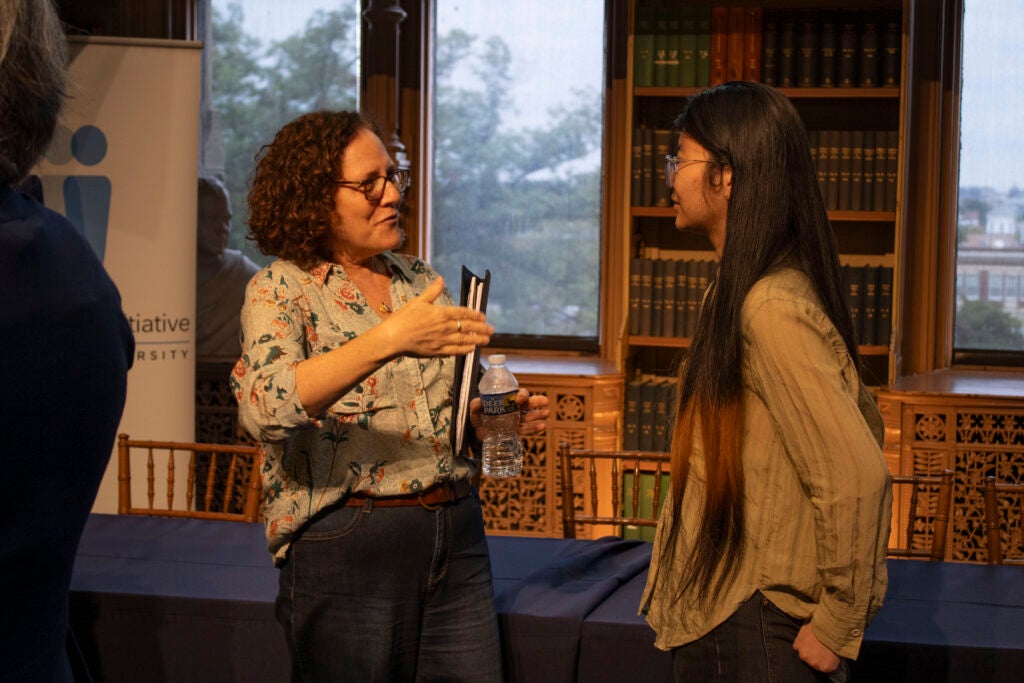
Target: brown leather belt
(430, 498)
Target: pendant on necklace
(384, 308)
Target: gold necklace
(383, 293)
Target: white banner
(122, 168)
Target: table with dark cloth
(164, 599)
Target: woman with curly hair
(770, 560)
(346, 378)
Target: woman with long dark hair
(770, 560)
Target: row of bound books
(665, 297)
(869, 296)
(857, 169)
(698, 46)
(647, 419)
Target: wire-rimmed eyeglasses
(373, 188)
(672, 165)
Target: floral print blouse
(389, 435)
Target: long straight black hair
(776, 217)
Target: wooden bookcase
(866, 237)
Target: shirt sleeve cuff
(841, 633)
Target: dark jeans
(391, 594)
(753, 645)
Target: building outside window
(516, 162)
(990, 254)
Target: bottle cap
(496, 359)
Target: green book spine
(660, 47)
(849, 55)
(646, 290)
(673, 46)
(647, 170)
(680, 299)
(807, 50)
(856, 170)
(828, 43)
(688, 47)
(643, 48)
(853, 277)
(881, 159)
(868, 71)
(770, 47)
(692, 297)
(662, 144)
(832, 190)
(648, 395)
(787, 50)
(657, 296)
(869, 335)
(631, 417)
(845, 169)
(668, 294)
(891, 50)
(636, 167)
(884, 305)
(702, 70)
(868, 187)
(635, 268)
(892, 142)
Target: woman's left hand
(533, 413)
(813, 652)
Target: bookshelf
(857, 119)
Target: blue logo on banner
(87, 197)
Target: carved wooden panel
(586, 412)
(974, 436)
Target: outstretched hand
(422, 329)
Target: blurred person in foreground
(346, 376)
(769, 562)
(65, 356)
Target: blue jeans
(754, 645)
(391, 594)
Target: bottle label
(499, 404)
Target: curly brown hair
(291, 202)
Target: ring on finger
(458, 326)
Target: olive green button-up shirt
(817, 489)
(389, 435)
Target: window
(991, 193)
(516, 162)
(268, 62)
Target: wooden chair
(993, 526)
(225, 470)
(943, 484)
(613, 468)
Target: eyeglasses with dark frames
(373, 188)
(672, 165)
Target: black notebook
(467, 368)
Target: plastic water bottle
(502, 449)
